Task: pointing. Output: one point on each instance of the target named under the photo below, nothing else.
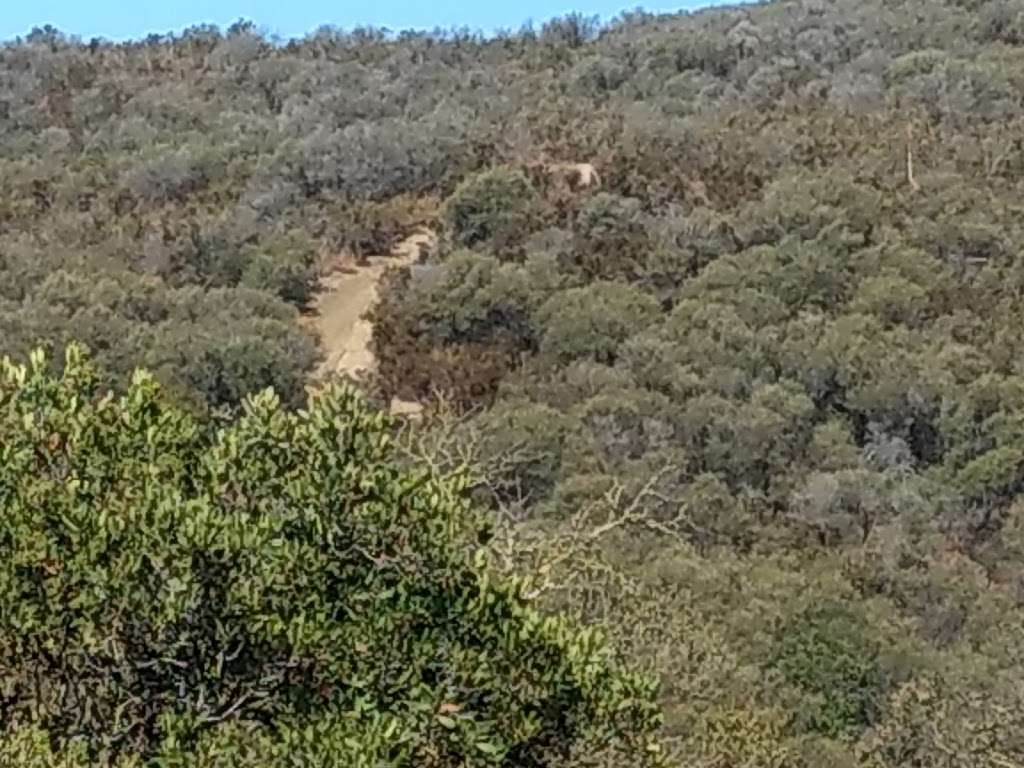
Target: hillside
(752, 401)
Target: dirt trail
(344, 297)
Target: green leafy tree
(278, 591)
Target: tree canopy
(274, 591)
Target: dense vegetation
(276, 592)
(754, 404)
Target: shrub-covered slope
(753, 402)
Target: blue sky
(120, 19)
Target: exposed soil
(344, 297)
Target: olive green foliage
(275, 591)
(753, 403)
(769, 366)
(494, 209)
(593, 322)
(822, 659)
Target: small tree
(275, 592)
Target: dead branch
(910, 160)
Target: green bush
(274, 592)
(284, 268)
(594, 321)
(496, 209)
(822, 655)
(613, 238)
